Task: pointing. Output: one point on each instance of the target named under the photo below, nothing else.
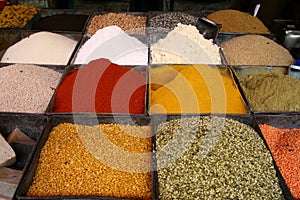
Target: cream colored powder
(41, 48)
(185, 45)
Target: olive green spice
(272, 91)
(213, 158)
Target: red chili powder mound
(285, 148)
(102, 87)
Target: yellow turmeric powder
(194, 89)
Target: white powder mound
(185, 45)
(41, 48)
(114, 44)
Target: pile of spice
(255, 50)
(209, 90)
(127, 22)
(272, 91)
(213, 158)
(61, 22)
(41, 48)
(85, 161)
(169, 21)
(238, 22)
(16, 16)
(123, 48)
(185, 45)
(26, 88)
(102, 87)
(284, 145)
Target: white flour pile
(27, 88)
(114, 44)
(41, 48)
(185, 45)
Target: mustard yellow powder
(194, 89)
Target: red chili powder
(285, 148)
(102, 87)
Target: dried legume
(26, 88)
(238, 22)
(70, 162)
(213, 158)
(285, 148)
(255, 50)
(272, 91)
(127, 22)
(170, 20)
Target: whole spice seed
(285, 148)
(238, 22)
(213, 158)
(170, 20)
(68, 163)
(26, 88)
(102, 87)
(255, 50)
(127, 22)
(272, 91)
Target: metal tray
(143, 70)
(89, 120)
(141, 37)
(31, 125)
(224, 70)
(44, 13)
(249, 120)
(242, 71)
(7, 38)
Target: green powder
(272, 91)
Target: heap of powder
(255, 50)
(272, 91)
(114, 44)
(285, 148)
(102, 87)
(41, 48)
(209, 90)
(185, 45)
(26, 88)
(238, 22)
(61, 22)
(170, 20)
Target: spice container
(102, 87)
(32, 85)
(61, 20)
(198, 155)
(7, 38)
(268, 89)
(128, 124)
(31, 125)
(130, 22)
(95, 46)
(46, 53)
(210, 88)
(281, 133)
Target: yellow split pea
(79, 160)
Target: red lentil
(285, 148)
